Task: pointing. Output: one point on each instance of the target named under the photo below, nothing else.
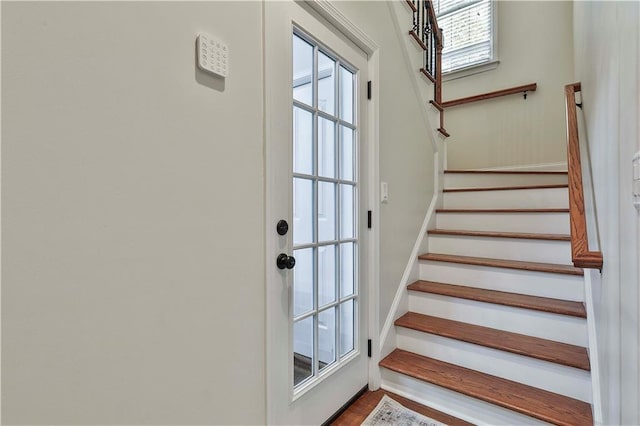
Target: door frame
(340, 22)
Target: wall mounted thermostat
(636, 180)
(213, 55)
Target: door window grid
(340, 303)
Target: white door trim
(328, 11)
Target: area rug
(390, 412)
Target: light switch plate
(384, 192)
(213, 55)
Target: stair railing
(581, 256)
(428, 35)
(531, 87)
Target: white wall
(132, 193)
(534, 46)
(133, 209)
(406, 153)
(607, 65)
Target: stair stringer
(592, 283)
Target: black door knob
(283, 261)
(282, 227)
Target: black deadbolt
(284, 261)
(282, 227)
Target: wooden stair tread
(506, 188)
(534, 347)
(494, 234)
(544, 405)
(502, 210)
(544, 304)
(503, 263)
(510, 172)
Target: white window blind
(468, 32)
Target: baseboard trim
(560, 166)
(344, 408)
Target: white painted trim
(470, 70)
(559, 166)
(374, 238)
(594, 359)
(401, 292)
(329, 12)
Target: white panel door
(316, 155)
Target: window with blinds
(467, 26)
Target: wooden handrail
(504, 92)
(434, 22)
(411, 5)
(580, 254)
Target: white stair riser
(491, 180)
(502, 248)
(464, 407)
(555, 286)
(568, 381)
(508, 199)
(559, 328)
(543, 223)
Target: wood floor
(360, 409)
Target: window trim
(470, 70)
(488, 65)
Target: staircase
(496, 329)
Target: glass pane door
(324, 309)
